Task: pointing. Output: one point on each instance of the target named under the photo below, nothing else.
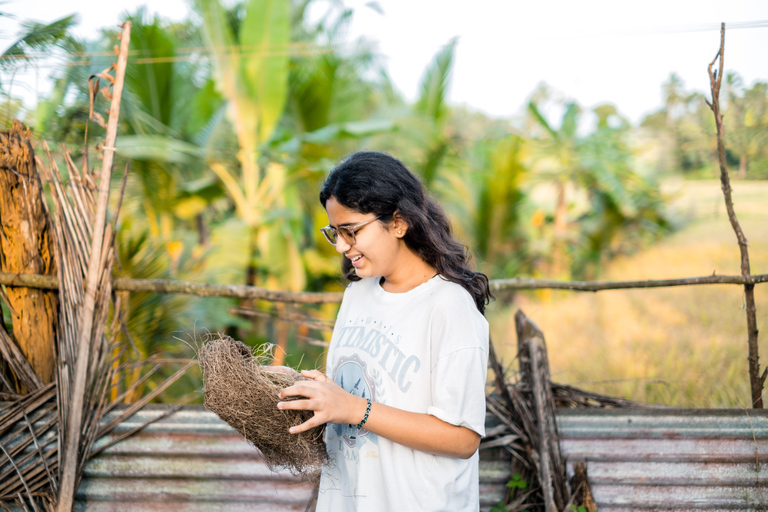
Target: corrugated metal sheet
(670, 459)
(193, 461)
(636, 460)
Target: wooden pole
(70, 453)
(255, 292)
(545, 462)
(755, 379)
(596, 286)
(534, 369)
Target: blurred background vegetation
(231, 120)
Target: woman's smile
(356, 260)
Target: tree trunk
(27, 247)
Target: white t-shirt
(423, 351)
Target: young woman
(404, 393)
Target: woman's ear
(399, 226)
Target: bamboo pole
(70, 455)
(255, 292)
(755, 379)
(596, 286)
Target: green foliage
(264, 37)
(486, 203)
(499, 507)
(581, 508)
(517, 482)
(683, 131)
(624, 209)
(435, 84)
(228, 149)
(432, 109)
(36, 37)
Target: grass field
(684, 346)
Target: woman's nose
(341, 245)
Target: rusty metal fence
(668, 459)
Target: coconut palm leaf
(36, 37)
(533, 108)
(432, 101)
(159, 149)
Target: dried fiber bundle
(244, 393)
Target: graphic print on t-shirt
(378, 343)
(351, 374)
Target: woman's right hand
(329, 401)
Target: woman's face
(377, 246)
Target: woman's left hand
(330, 403)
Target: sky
(592, 51)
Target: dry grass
(692, 339)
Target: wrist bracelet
(365, 418)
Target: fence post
(534, 369)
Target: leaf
(158, 148)
(375, 7)
(435, 83)
(534, 109)
(570, 120)
(231, 243)
(229, 79)
(38, 37)
(46, 109)
(265, 39)
(351, 130)
(152, 83)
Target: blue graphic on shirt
(350, 373)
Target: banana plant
(624, 206)
(250, 51)
(250, 59)
(490, 199)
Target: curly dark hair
(373, 182)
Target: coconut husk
(243, 391)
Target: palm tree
(601, 165)
(34, 40)
(486, 200)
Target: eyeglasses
(347, 232)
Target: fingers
(316, 375)
(307, 425)
(300, 405)
(280, 369)
(299, 389)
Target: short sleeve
(459, 335)
(459, 400)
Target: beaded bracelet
(365, 418)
